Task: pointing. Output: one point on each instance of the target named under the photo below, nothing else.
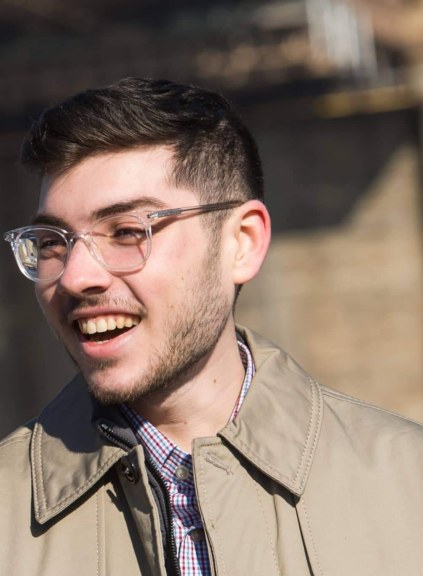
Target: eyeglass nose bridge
(88, 241)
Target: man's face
(174, 308)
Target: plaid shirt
(175, 467)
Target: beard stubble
(190, 334)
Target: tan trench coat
(305, 481)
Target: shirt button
(197, 535)
(182, 473)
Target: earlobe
(253, 238)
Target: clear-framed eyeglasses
(120, 243)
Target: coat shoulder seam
(352, 400)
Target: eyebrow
(146, 203)
(48, 220)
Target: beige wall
(347, 302)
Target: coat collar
(276, 429)
(68, 453)
(278, 426)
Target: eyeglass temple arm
(200, 207)
(10, 236)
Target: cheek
(45, 299)
(173, 255)
(174, 261)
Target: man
(186, 445)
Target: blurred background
(332, 90)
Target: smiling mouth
(104, 328)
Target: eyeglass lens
(119, 243)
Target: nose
(83, 274)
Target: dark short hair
(215, 154)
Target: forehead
(109, 179)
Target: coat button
(129, 469)
(182, 473)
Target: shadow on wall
(316, 171)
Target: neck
(203, 403)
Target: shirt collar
(157, 445)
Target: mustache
(103, 300)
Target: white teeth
(91, 327)
(103, 324)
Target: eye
(129, 234)
(50, 242)
(49, 245)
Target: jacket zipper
(114, 437)
(171, 544)
(117, 439)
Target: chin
(112, 394)
(108, 386)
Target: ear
(252, 235)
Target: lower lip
(106, 348)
